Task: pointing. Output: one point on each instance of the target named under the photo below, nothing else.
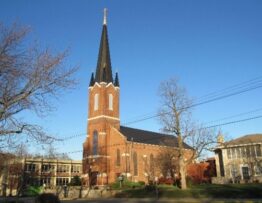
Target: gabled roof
(247, 139)
(148, 137)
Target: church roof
(103, 68)
(148, 137)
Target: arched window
(118, 157)
(95, 143)
(135, 164)
(96, 102)
(110, 102)
(151, 160)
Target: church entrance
(93, 178)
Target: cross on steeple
(105, 16)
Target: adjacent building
(239, 160)
(17, 172)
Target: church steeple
(103, 68)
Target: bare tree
(29, 79)
(12, 169)
(167, 160)
(175, 115)
(52, 153)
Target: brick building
(111, 150)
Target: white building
(239, 160)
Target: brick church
(111, 150)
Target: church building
(110, 150)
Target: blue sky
(209, 45)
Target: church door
(93, 178)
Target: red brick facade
(107, 152)
(115, 155)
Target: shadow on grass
(240, 191)
(232, 191)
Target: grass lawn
(237, 191)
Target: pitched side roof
(247, 139)
(148, 137)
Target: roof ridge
(149, 131)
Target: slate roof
(247, 139)
(148, 137)
(116, 83)
(103, 68)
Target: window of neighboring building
(233, 153)
(32, 181)
(135, 164)
(248, 151)
(110, 103)
(229, 156)
(63, 168)
(47, 167)
(234, 171)
(62, 181)
(46, 181)
(96, 102)
(244, 153)
(30, 167)
(238, 152)
(95, 143)
(245, 172)
(258, 169)
(258, 150)
(118, 157)
(253, 151)
(75, 169)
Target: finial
(105, 15)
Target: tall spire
(103, 68)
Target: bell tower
(103, 113)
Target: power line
(240, 85)
(161, 136)
(199, 103)
(234, 116)
(212, 126)
(235, 87)
(233, 122)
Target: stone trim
(103, 116)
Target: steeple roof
(103, 68)
(116, 83)
(92, 80)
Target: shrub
(47, 198)
(141, 182)
(150, 188)
(76, 181)
(167, 181)
(32, 191)
(127, 184)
